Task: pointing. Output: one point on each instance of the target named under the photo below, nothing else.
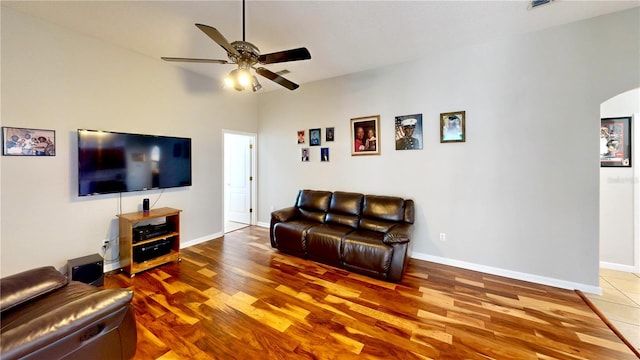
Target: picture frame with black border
(408, 132)
(615, 142)
(329, 134)
(314, 137)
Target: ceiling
(343, 36)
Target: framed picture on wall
(409, 132)
(329, 134)
(365, 134)
(452, 126)
(28, 142)
(314, 137)
(300, 136)
(324, 154)
(304, 155)
(615, 142)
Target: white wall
(60, 80)
(521, 195)
(618, 247)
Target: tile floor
(620, 302)
(230, 226)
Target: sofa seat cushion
(291, 236)
(363, 251)
(324, 243)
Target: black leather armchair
(44, 316)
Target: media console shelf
(127, 247)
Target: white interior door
(238, 177)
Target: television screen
(111, 162)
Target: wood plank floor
(237, 298)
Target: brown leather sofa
(44, 316)
(367, 234)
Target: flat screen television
(112, 162)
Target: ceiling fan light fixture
(255, 84)
(228, 81)
(243, 77)
(238, 79)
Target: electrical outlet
(443, 237)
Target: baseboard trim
(111, 266)
(200, 240)
(509, 273)
(619, 267)
(115, 265)
(445, 261)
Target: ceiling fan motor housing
(249, 53)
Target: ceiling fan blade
(216, 36)
(277, 78)
(213, 61)
(284, 56)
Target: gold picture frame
(365, 135)
(452, 127)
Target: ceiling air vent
(536, 3)
(283, 72)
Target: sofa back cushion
(409, 211)
(345, 209)
(380, 213)
(313, 204)
(25, 286)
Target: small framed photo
(328, 134)
(452, 127)
(304, 155)
(300, 136)
(409, 132)
(314, 137)
(615, 142)
(365, 135)
(28, 142)
(324, 154)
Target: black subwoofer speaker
(87, 269)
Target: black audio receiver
(151, 250)
(146, 232)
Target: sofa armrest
(279, 216)
(84, 318)
(398, 234)
(22, 287)
(285, 214)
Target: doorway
(239, 180)
(620, 194)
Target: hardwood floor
(237, 298)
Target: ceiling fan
(247, 56)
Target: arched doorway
(620, 194)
